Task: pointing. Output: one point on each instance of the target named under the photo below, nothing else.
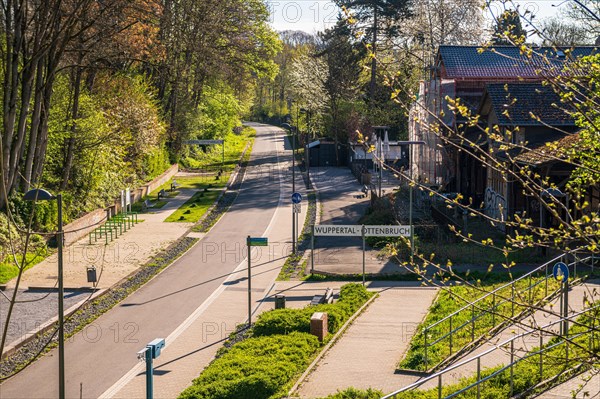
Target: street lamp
(39, 194)
(380, 152)
(410, 191)
(294, 215)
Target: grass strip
(294, 267)
(228, 196)
(9, 270)
(559, 364)
(212, 158)
(276, 351)
(194, 208)
(489, 313)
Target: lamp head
(38, 194)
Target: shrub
(284, 321)
(353, 393)
(255, 368)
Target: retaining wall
(81, 227)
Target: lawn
(489, 313)
(212, 159)
(195, 207)
(9, 270)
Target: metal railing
(115, 226)
(509, 345)
(479, 309)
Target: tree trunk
(374, 59)
(68, 165)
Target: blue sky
(316, 15)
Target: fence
(542, 353)
(446, 332)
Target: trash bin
(91, 274)
(279, 301)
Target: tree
(586, 13)
(563, 33)
(508, 29)
(439, 22)
(378, 19)
(344, 58)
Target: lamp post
(43, 195)
(380, 153)
(290, 129)
(410, 143)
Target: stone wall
(81, 227)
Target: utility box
(318, 325)
(279, 301)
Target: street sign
(203, 142)
(356, 230)
(296, 198)
(258, 241)
(314, 144)
(387, 231)
(297, 208)
(338, 230)
(561, 271)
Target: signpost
(253, 242)
(561, 273)
(352, 230)
(296, 198)
(296, 209)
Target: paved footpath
(342, 202)
(368, 352)
(584, 386)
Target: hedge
(255, 368)
(283, 321)
(280, 348)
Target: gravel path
(35, 309)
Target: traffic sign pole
(293, 191)
(312, 250)
(363, 239)
(249, 282)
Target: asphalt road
(100, 354)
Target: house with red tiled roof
(476, 77)
(527, 118)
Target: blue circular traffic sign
(561, 271)
(296, 198)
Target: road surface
(101, 354)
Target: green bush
(284, 321)
(255, 368)
(264, 365)
(353, 393)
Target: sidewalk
(342, 202)
(368, 352)
(586, 385)
(117, 259)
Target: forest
(98, 96)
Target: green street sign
(258, 241)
